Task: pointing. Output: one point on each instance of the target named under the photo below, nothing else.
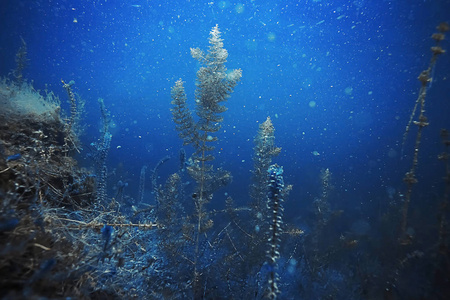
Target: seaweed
(214, 86)
(62, 236)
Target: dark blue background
(357, 60)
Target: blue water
(337, 78)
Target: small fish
(136, 5)
(13, 157)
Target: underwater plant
(425, 79)
(21, 62)
(62, 236)
(263, 153)
(275, 205)
(214, 86)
